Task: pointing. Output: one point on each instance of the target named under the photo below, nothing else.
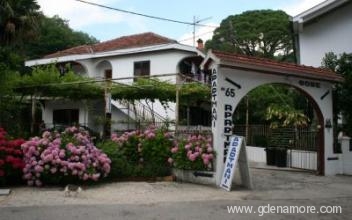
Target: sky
(105, 24)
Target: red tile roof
(132, 41)
(83, 49)
(273, 66)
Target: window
(142, 68)
(65, 116)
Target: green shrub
(139, 154)
(120, 166)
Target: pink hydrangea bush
(193, 153)
(63, 157)
(11, 162)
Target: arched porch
(234, 76)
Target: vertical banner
(236, 154)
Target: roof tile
(298, 70)
(125, 42)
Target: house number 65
(230, 92)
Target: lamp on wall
(328, 123)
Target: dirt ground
(268, 185)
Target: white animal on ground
(72, 190)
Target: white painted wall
(256, 154)
(161, 62)
(346, 156)
(164, 62)
(120, 120)
(50, 106)
(330, 33)
(303, 159)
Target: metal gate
(301, 143)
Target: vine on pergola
(47, 82)
(154, 89)
(144, 89)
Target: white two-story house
(122, 58)
(326, 27)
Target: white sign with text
(235, 154)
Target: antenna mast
(196, 22)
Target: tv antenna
(196, 22)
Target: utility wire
(144, 15)
(198, 35)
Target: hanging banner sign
(233, 153)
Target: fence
(306, 160)
(293, 138)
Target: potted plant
(192, 159)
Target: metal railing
(141, 112)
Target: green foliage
(14, 116)
(10, 60)
(120, 166)
(274, 94)
(285, 116)
(194, 93)
(156, 150)
(139, 154)
(164, 91)
(130, 149)
(47, 81)
(145, 88)
(342, 95)
(261, 33)
(12, 110)
(7, 79)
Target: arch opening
(303, 143)
(76, 67)
(101, 68)
(190, 67)
(194, 114)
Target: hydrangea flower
(193, 153)
(60, 155)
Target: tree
(17, 25)
(55, 35)
(26, 33)
(285, 116)
(342, 95)
(263, 33)
(17, 20)
(263, 97)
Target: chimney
(200, 45)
